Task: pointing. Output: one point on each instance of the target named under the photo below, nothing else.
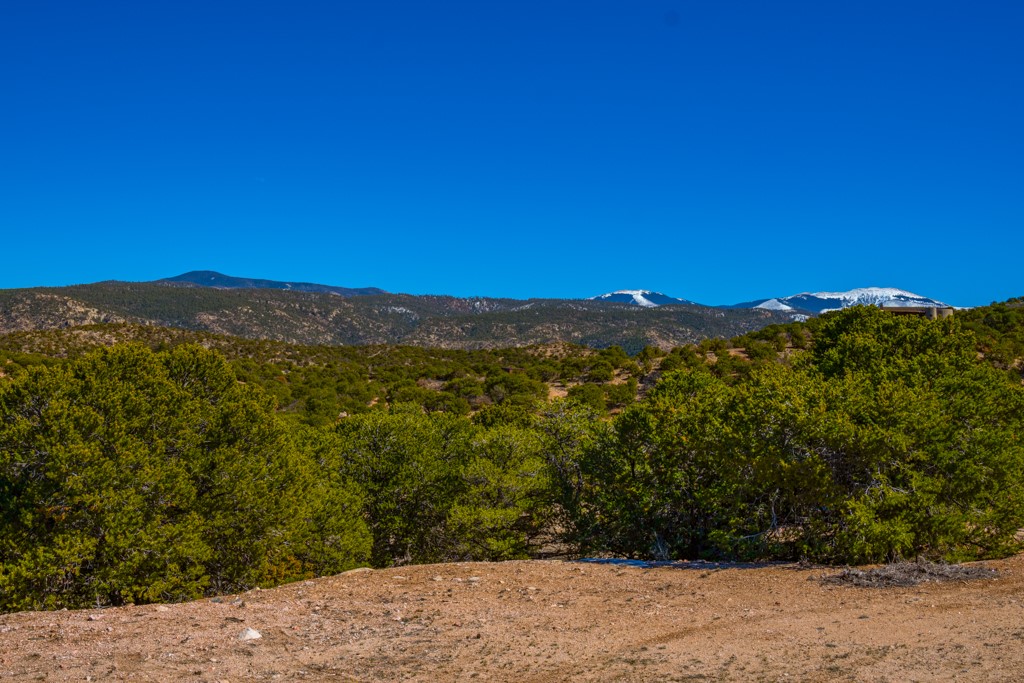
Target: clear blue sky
(716, 150)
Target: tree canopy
(134, 474)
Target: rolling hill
(210, 278)
(319, 317)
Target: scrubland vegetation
(175, 464)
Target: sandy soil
(543, 621)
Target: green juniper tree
(133, 476)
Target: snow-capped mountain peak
(868, 295)
(822, 302)
(819, 302)
(635, 296)
(798, 305)
(774, 305)
(640, 297)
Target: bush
(590, 395)
(130, 476)
(440, 488)
(888, 440)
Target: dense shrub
(888, 439)
(443, 488)
(130, 476)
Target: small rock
(437, 578)
(473, 579)
(162, 608)
(250, 634)
(95, 617)
(358, 570)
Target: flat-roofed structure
(930, 312)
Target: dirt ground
(544, 621)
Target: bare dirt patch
(544, 621)
(557, 391)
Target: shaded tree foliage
(889, 438)
(132, 476)
(441, 487)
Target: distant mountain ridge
(311, 314)
(324, 317)
(642, 297)
(211, 278)
(822, 302)
(803, 303)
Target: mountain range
(805, 302)
(822, 302)
(308, 313)
(210, 278)
(642, 297)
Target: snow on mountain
(870, 295)
(628, 296)
(823, 302)
(774, 305)
(797, 304)
(640, 297)
(820, 302)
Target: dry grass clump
(900, 574)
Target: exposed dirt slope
(544, 621)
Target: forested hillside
(324, 318)
(316, 384)
(1000, 331)
(159, 469)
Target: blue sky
(715, 150)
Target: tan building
(930, 312)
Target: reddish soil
(544, 621)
